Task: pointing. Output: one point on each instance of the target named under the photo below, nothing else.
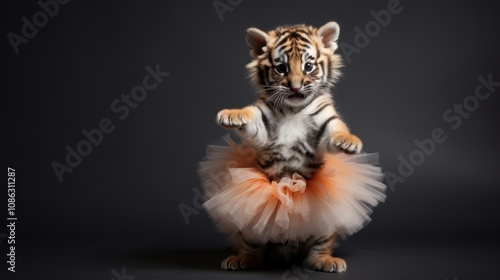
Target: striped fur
(293, 122)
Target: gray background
(120, 206)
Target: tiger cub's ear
(256, 40)
(329, 34)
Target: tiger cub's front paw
(346, 142)
(235, 118)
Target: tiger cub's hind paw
(240, 262)
(326, 263)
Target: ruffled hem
(337, 199)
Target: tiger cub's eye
(281, 68)
(308, 67)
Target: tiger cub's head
(294, 64)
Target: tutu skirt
(337, 199)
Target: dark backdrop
(127, 194)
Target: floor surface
(452, 261)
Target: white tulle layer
(337, 199)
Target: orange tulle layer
(337, 199)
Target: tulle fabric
(337, 199)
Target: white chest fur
(292, 128)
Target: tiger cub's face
(294, 64)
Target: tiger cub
(292, 123)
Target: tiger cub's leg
(343, 139)
(247, 122)
(248, 255)
(319, 256)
